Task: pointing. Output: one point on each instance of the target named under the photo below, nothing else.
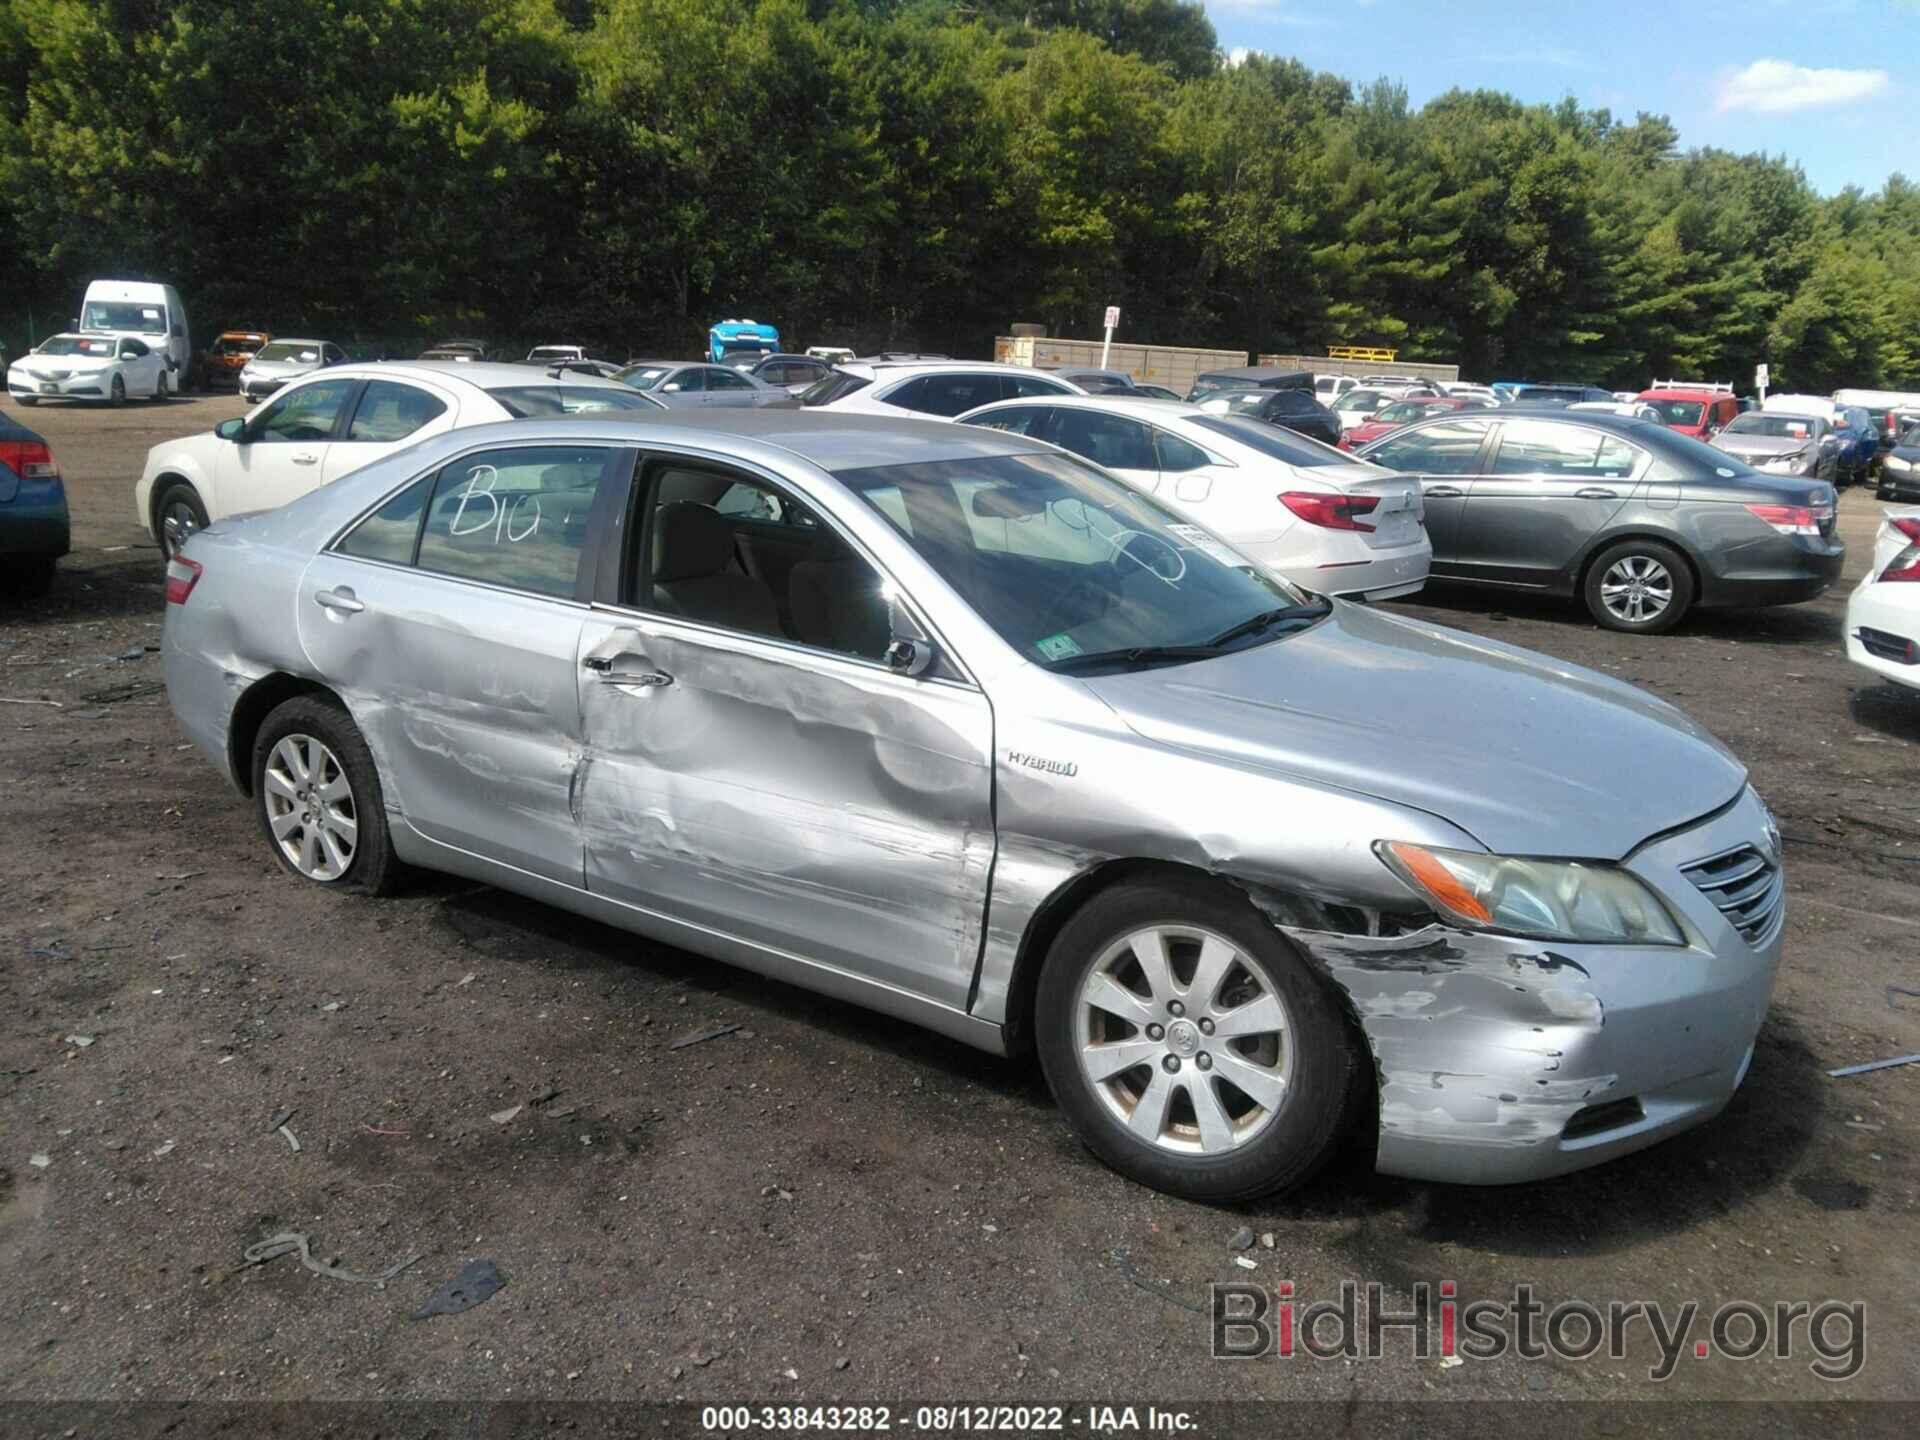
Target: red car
(1400, 412)
(1692, 410)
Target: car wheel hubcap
(310, 808)
(1185, 1040)
(177, 525)
(1636, 588)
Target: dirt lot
(822, 1204)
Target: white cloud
(1777, 86)
(1239, 55)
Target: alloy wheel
(1636, 589)
(310, 808)
(1185, 1039)
(178, 524)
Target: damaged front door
(754, 766)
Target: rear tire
(318, 796)
(1233, 1006)
(1641, 587)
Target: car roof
(485, 374)
(895, 368)
(1256, 373)
(299, 340)
(670, 364)
(1684, 392)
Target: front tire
(318, 796)
(178, 515)
(1190, 1046)
(117, 392)
(1641, 587)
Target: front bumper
(251, 388)
(1877, 610)
(74, 387)
(1899, 484)
(1503, 1060)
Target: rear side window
(1273, 442)
(525, 400)
(1540, 447)
(389, 412)
(1021, 386)
(390, 532)
(722, 379)
(947, 395)
(516, 517)
(1176, 455)
(1449, 448)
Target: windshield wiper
(1254, 624)
(1132, 655)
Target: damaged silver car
(954, 725)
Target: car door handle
(341, 600)
(637, 679)
(1445, 492)
(307, 458)
(1597, 492)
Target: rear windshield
(1272, 441)
(520, 401)
(832, 387)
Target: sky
(1832, 84)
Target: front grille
(1744, 885)
(1885, 646)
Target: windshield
(103, 315)
(1272, 441)
(553, 352)
(643, 377)
(1776, 427)
(1678, 412)
(1365, 401)
(77, 345)
(520, 401)
(289, 350)
(1066, 563)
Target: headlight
(1894, 462)
(1542, 899)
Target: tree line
(901, 174)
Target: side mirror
(910, 657)
(231, 430)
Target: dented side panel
(793, 800)
(466, 697)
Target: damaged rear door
(449, 619)
(754, 766)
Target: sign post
(1113, 324)
(1760, 378)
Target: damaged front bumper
(1504, 1060)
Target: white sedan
(336, 420)
(1883, 613)
(90, 366)
(1299, 509)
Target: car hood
(1759, 444)
(1527, 754)
(72, 364)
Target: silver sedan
(691, 385)
(955, 725)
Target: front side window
(132, 350)
(1449, 448)
(1074, 569)
(302, 416)
(1540, 447)
(1112, 441)
(388, 412)
(742, 553)
(516, 516)
(691, 380)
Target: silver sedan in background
(698, 386)
(952, 724)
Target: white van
(153, 312)
(1815, 405)
(1878, 400)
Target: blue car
(34, 529)
(1859, 442)
(741, 343)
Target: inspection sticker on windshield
(1206, 544)
(1057, 647)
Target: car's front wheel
(1190, 1046)
(178, 515)
(319, 797)
(117, 391)
(1639, 586)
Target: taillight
(1330, 512)
(1905, 565)
(182, 575)
(1790, 519)
(29, 459)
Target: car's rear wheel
(1639, 586)
(178, 516)
(319, 797)
(1190, 1046)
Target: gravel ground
(820, 1205)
